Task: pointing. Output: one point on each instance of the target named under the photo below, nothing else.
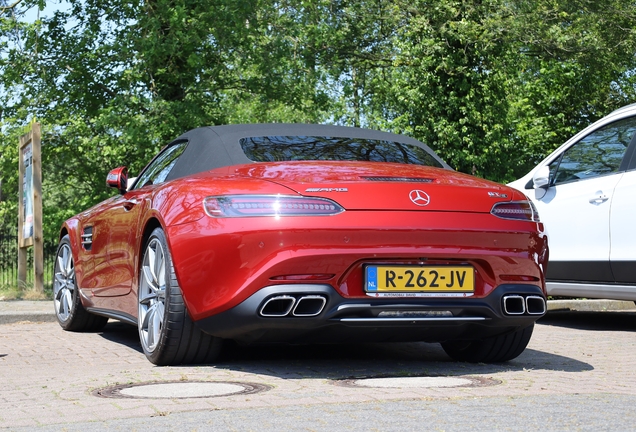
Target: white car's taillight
(519, 210)
(269, 205)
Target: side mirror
(118, 178)
(541, 181)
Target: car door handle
(598, 198)
(130, 204)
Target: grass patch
(27, 292)
(9, 293)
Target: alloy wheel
(152, 295)
(64, 283)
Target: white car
(585, 192)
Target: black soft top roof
(218, 146)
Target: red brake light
(518, 278)
(303, 277)
(518, 210)
(269, 205)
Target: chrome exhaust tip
(535, 305)
(514, 305)
(278, 306)
(308, 306)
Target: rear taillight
(269, 205)
(518, 210)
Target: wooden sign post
(30, 208)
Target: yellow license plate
(380, 278)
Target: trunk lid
(383, 186)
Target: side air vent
(87, 238)
(400, 179)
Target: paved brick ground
(47, 375)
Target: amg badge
(326, 190)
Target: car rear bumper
(317, 313)
(220, 263)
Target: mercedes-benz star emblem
(419, 197)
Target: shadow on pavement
(355, 360)
(123, 334)
(585, 320)
(365, 360)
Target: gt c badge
(497, 195)
(419, 197)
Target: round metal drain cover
(180, 390)
(419, 382)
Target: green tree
(576, 64)
(115, 81)
(492, 86)
(450, 83)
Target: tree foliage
(491, 85)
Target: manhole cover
(419, 382)
(180, 390)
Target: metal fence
(9, 260)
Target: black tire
(491, 350)
(176, 340)
(69, 311)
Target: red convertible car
(304, 234)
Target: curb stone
(591, 305)
(12, 311)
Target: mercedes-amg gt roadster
(290, 233)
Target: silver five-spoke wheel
(152, 295)
(167, 334)
(64, 283)
(69, 310)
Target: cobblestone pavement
(48, 376)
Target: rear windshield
(299, 148)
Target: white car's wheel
(69, 310)
(167, 334)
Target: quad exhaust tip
(309, 306)
(284, 305)
(535, 305)
(520, 305)
(514, 305)
(278, 306)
